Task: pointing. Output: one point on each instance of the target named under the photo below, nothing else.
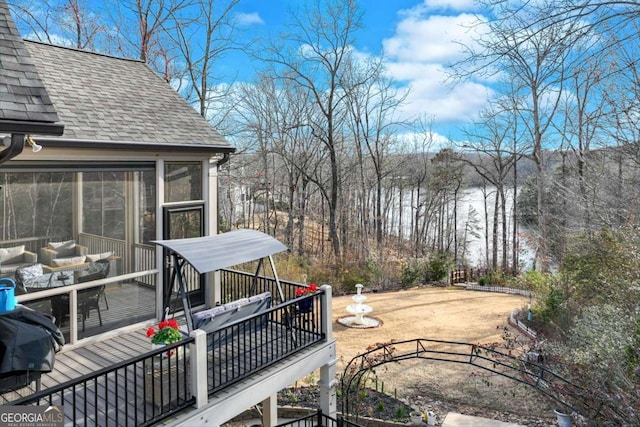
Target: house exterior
(126, 161)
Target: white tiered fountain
(358, 312)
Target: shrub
(602, 267)
(550, 304)
(592, 358)
(534, 281)
(411, 273)
(438, 266)
(493, 278)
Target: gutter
(225, 158)
(15, 147)
(19, 131)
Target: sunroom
(107, 212)
(135, 163)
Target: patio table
(52, 280)
(56, 279)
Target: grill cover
(28, 342)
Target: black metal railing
(249, 345)
(239, 284)
(140, 391)
(151, 387)
(319, 419)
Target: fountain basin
(366, 322)
(358, 311)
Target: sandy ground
(438, 314)
(430, 313)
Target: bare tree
(536, 58)
(372, 101)
(152, 20)
(317, 49)
(491, 137)
(68, 22)
(203, 41)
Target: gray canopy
(211, 253)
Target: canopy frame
(211, 253)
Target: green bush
(411, 273)
(493, 278)
(351, 274)
(534, 281)
(438, 267)
(550, 304)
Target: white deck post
(327, 382)
(198, 361)
(270, 411)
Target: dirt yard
(433, 313)
(448, 315)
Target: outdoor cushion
(27, 274)
(63, 249)
(233, 305)
(203, 317)
(11, 255)
(64, 262)
(260, 297)
(96, 257)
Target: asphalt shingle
(104, 98)
(23, 95)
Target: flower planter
(305, 306)
(564, 419)
(416, 418)
(164, 377)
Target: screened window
(183, 181)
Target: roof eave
(31, 127)
(136, 145)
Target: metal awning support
(211, 253)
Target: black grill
(28, 343)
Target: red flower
(306, 290)
(168, 332)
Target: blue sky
(417, 38)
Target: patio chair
(89, 299)
(100, 269)
(13, 258)
(67, 255)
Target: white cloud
(420, 51)
(429, 141)
(435, 38)
(247, 19)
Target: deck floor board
(228, 362)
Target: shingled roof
(102, 98)
(23, 96)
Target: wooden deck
(85, 360)
(130, 396)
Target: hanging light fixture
(35, 147)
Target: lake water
(471, 214)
